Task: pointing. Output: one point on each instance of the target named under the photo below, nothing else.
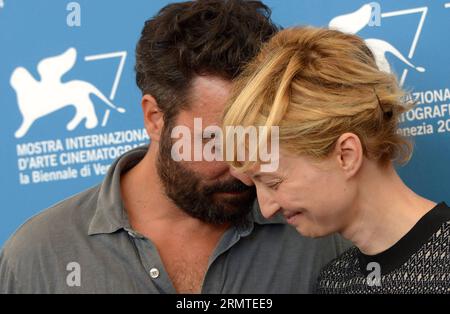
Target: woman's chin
(310, 232)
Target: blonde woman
(337, 115)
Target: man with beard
(155, 225)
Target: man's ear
(153, 117)
(349, 153)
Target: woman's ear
(349, 152)
(153, 117)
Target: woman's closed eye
(273, 184)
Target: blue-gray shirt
(85, 245)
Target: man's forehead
(209, 94)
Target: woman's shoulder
(344, 266)
(347, 260)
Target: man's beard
(187, 190)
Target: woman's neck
(385, 210)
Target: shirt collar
(110, 215)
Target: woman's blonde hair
(316, 84)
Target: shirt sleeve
(8, 283)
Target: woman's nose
(267, 205)
(242, 177)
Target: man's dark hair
(203, 37)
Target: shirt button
(154, 273)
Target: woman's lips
(291, 217)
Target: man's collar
(110, 214)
